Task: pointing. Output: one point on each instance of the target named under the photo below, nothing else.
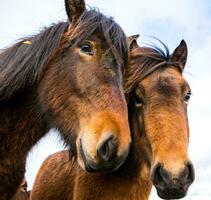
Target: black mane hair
(23, 63)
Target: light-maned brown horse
(157, 97)
(67, 77)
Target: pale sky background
(170, 21)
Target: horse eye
(187, 97)
(87, 49)
(138, 101)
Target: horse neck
(130, 182)
(137, 165)
(21, 124)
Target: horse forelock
(24, 63)
(93, 21)
(143, 61)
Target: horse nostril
(107, 149)
(160, 177)
(191, 174)
(156, 176)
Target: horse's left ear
(74, 9)
(180, 54)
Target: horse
(157, 96)
(22, 193)
(68, 77)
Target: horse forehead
(168, 82)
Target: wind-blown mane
(23, 64)
(144, 61)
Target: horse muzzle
(107, 158)
(169, 186)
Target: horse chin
(171, 193)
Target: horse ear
(132, 41)
(180, 54)
(74, 9)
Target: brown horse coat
(57, 179)
(69, 77)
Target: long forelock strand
(91, 21)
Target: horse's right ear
(74, 9)
(132, 41)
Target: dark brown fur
(46, 85)
(57, 179)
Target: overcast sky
(168, 20)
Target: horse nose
(109, 156)
(107, 149)
(160, 177)
(189, 175)
(170, 186)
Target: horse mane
(144, 61)
(23, 64)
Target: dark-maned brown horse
(22, 193)
(157, 100)
(67, 77)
